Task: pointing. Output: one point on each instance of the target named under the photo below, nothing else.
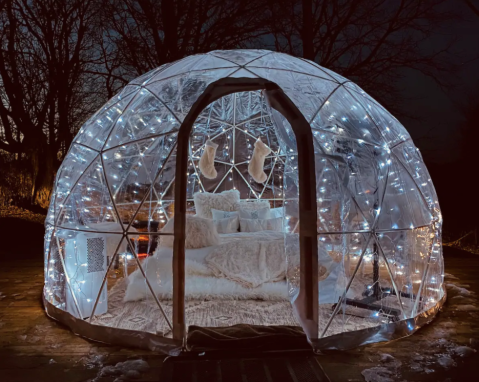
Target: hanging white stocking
(256, 164)
(207, 160)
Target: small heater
(86, 264)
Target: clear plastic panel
(433, 289)
(97, 129)
(89, 206)
(143, 79)
(307, 92)
(85, 258)
(411, 159)
(283, 62)
(179, 67)
(131, 170)
(73, 166)
(403, 206)
(391, 129)
(129, 300)
(352, 272)
(147, 116)
(181, 92)
(351, 177)
(344, 115)
(407, 252)
(240, 56)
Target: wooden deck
(35, 348)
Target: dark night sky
(437, 132)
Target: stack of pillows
(231, 215)
(223, 213)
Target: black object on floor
(242, 337)
(296, 366)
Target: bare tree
(370, 41)
(47, 47)
(473, 7)
(144, 34)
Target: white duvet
(206, 279)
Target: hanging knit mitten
(256, 163)
(207, 160)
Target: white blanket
(200, 280)
(251, 263)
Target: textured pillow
(251, 204)
(219, 214)
(255, 225)
(200, 232)
(227, 225)
(262, 213)
(225, 201)
(277, 212)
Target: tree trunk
(307, 30)
(42, 176)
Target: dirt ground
(35, 348)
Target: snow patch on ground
(450, 276)
(440, 352)
(455, 290)
(124, 371)
(378, 374)
(466, 308)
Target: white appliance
(86, 263)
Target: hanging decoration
(207, 160)
(256, 164)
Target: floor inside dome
(146, 316)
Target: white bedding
(200, 282)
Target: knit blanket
(250, 263)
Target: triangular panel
(362, 170)
(403, 205)
(284, 62)
(97, 129)
(308, 93)
(132, 168)
(240, 56)
(73, 166)
(343, 114)
(146, 116)
(390, 128)
(411, 159)
(89, 206)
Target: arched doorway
(306, 304)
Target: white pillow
(262, 213)
(219, 214)
(225, 201)
(252, 204)
(200, 233)
(227, 225)
(277, 212)
(255, 225)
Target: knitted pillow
(225, 201)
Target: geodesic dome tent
(346, 195)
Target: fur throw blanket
(249, 263)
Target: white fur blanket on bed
(250, 263)
(201, 282)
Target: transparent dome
(377, 260)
